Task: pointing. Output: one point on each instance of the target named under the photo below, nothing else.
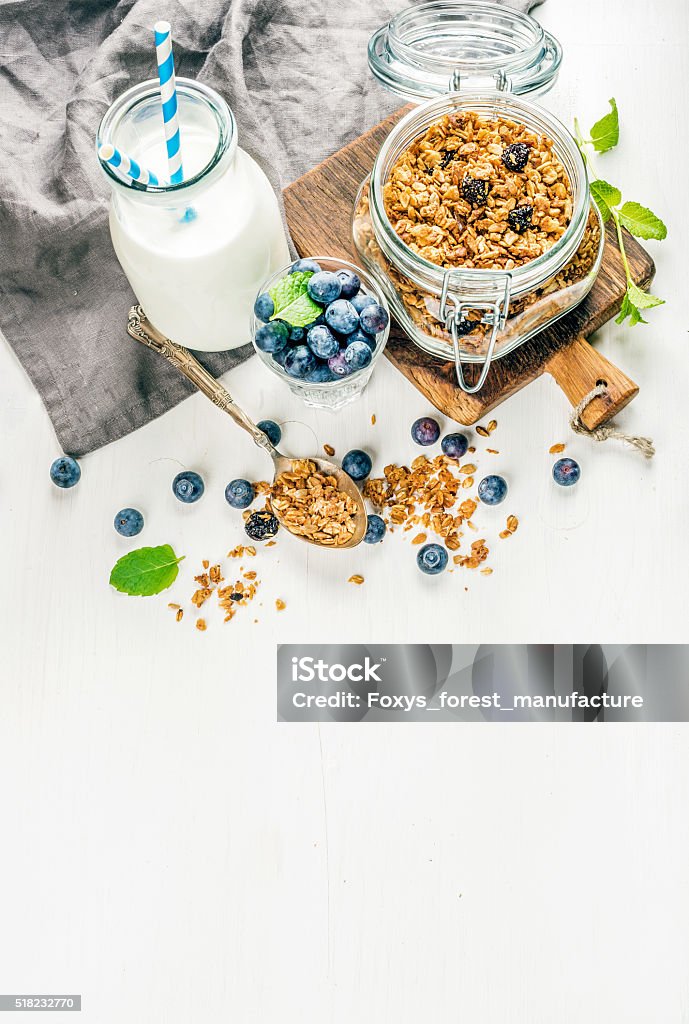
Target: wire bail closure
(496, 309)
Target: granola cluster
(452, 195)
(309, 504)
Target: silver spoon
(142, 330)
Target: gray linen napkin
(296, 76)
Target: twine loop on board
(607, 431)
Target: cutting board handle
(578, 368)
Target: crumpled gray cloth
(294, 72)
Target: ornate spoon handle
(143, 330)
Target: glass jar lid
(449, 46)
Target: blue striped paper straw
(168, 95)
(125, 166)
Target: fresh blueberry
(358, 355)
(338, 365)
(361, 301)
(341, 316)
(432, 559)
(321, 374)
(188, 487)
(375, 530)
(492, 489)
(324, 287)
(299, 361)
(279, 357)
(425, 430)
(303, 266)
(350, 282)
(273, 336)
(357, 464)
(373, 319)
(454, 445)
(129, 522)
(264, 307)
(239, 493)
(359, 335)
(296, 335)
(322, 342)
(271, 430)
(65, 471)
(566, 472)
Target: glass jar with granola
(476, 218)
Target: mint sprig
(292, 302)
(637, 219)
(145, 571)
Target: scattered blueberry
(261, 525)
(454, 445)
(361, 301)
(321, 374)
(271, 430)
(358, 355)
(341, 316)
(492, 489)
(359, 335)
(322, 342)
(296, 335)
(324, 287)
(373, 318)
(566, 472)
(188, 487)
(264, 307)
(129, 522)
(338, 365)
(375, 530)
(305, 266)
(516, 156)
(425, 430)
(299, 361)
(432, 559)
(474, 190)
(239, 493)
(520, 218)
(350, 282)
(65, 471)
(357, 464)
(273, 336)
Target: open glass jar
(473, 63)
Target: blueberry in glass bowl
(325, 352)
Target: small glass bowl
(337, 393)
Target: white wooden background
(173, 854)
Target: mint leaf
(629, 310)
(605, 197)
(605, 133)
(293, 304)
(641, 221)
(145, 571)
(634, 301)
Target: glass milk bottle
(195, 253)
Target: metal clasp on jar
(461, 292)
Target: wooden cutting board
(319, 209)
